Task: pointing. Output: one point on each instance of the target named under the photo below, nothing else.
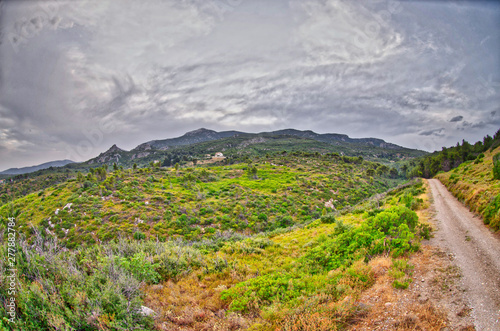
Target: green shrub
(391, 230)
(328, 218)
(401, 272)
(138, 235)
(139, 266)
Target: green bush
(328, 218)
(139, 266)
(391, 230)
(401, 272)
(138, 235)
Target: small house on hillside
(219, 154)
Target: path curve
(476, 252)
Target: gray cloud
(86, 76)
(457, 119)
(435, 132)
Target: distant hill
(26, 170)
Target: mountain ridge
(203, 134)
(29, 169)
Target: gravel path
(476, 251)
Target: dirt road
(476, 252)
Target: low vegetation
(195, 203)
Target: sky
(78, 76)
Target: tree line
(452, 157)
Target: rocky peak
(114, 149)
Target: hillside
(286, 241)
(474, 184)
(428, 166)
(194, 203)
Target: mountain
(335, 138)
(203, 135)
(112, 155)
(26, 170)
(190, 138)
(236, 144)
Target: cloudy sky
(78, 76)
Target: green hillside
(475, 184)
(277, 257)
(195, 203)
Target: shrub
(389, 231)
(139, 266)
(138, 235)
(401, 272)
(328, 218)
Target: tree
(252, 172)
(79, 177)
(101, 173)
(115, 166)
(496, 166)
(135, 166)
(167, 162)
(393, 173)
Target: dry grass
(392, 309)
(195, 305)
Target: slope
(474, 185)
(195, 203)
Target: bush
(81, 290)
(391, 230)
(328, 218)
(401, 272)
(138, 235)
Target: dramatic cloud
(79, 76)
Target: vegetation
(306, 274)
(275, 191)
(450, 158)
(476, 184)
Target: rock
(145, 311)
(57, 211)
